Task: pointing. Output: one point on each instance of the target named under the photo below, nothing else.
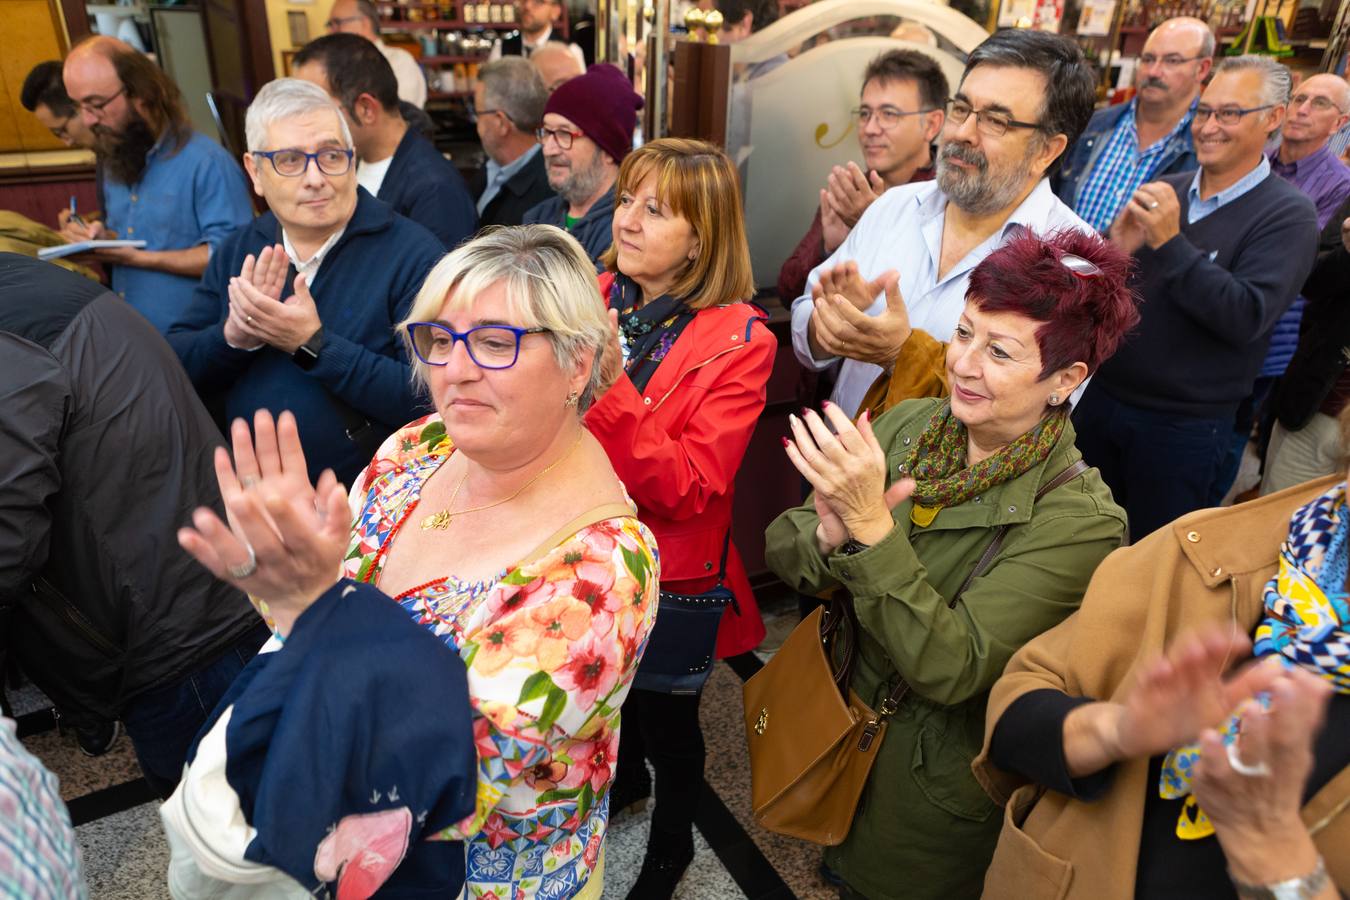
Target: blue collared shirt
(1197, 209)
(1122, 167)
(500, 175)
(195, 196)
(902, 230)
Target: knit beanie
(603, 104)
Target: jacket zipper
(693, 368)
(55, 600)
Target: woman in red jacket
(676, 422)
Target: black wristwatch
(307, 354)
(852, 546)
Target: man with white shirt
(298, 309)
(1023, 98)
(537, 18)
(396, 163)
(361, 18)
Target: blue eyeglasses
(292, 163)
(490, 346)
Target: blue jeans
(1247, 416)
(162, 723)
(1158, 465)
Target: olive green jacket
(924, 827)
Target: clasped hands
(840, 325)
(846, 196)
(287, 535)
(1151, 216)
(846, 469)
(257, 313)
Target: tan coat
(1208, 566)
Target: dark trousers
(1158, 465)
(162, 723)
(1252, 410)
(664, 729)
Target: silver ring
(247, 568)
(1153, 205)
(247, 482)
(249, 319)
(1257, 771)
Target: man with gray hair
(508, 108)
(297, 310)
(1221, 254)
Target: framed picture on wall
(299, 25)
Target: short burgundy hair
(1085, 316)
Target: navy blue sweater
(364, 288)
(1210, 299)
(594, 231)
(424, 186)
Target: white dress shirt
(902, 230)
(412, 82)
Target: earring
(573, 398)
(1054, 399)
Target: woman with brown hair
(696, 358)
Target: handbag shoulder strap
(1067, 475)
(589, 517)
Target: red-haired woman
(902, 512)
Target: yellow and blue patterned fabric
(1306, 623)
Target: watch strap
(1302, 888)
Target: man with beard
(298, 310)
(537, 18)
(163, 183)
(588, 130)
(1024, 96)
(396, 163)
(1221, 255)
(900, 116)
(1128, 144)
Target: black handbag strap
(722, 566)
(892, 702)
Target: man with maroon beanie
(588, 130)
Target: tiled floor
(125, 854)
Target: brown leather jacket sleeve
(919, 371)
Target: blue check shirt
(195, 196)
(1121, 168)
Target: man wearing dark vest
(537, 18)
(1221, 254)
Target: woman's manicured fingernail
(786, 443)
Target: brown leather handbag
(812, 740)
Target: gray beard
(986, 191)
(580, 186)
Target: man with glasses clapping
(297, 310)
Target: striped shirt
(1120, 168)
(39, 859)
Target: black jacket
(105, 451)
(525, 189)
(423, 185)
(1319, 363)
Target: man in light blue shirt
(508, 108)
(1024, 97)
(165, 184)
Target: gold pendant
(439, 521)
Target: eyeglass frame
(457, 336)
(475, 114)
(981, 116)
(1294, 101)
(1169, 60)
(270, 155)
(337, 22)
(96, 107)
(857, 114)
(542, 134)
(1203, 112)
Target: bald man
(163, 183)
(556, 64)
(1130, 144)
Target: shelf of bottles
(456, 37)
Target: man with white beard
(1024, 97)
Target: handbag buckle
(888, 708)
(869, 733)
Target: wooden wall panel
(31, 33)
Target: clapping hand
(285, 540)
(1157, 211)
(847, 470)
(284, 325)
(851, 191)
(267, 274)
(840, 325)
(611, 357)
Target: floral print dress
(551, 648)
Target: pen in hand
(75, 216)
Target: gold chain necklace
(441, 520)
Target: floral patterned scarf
(938, 462)
(648, 333)
(1307, 623)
